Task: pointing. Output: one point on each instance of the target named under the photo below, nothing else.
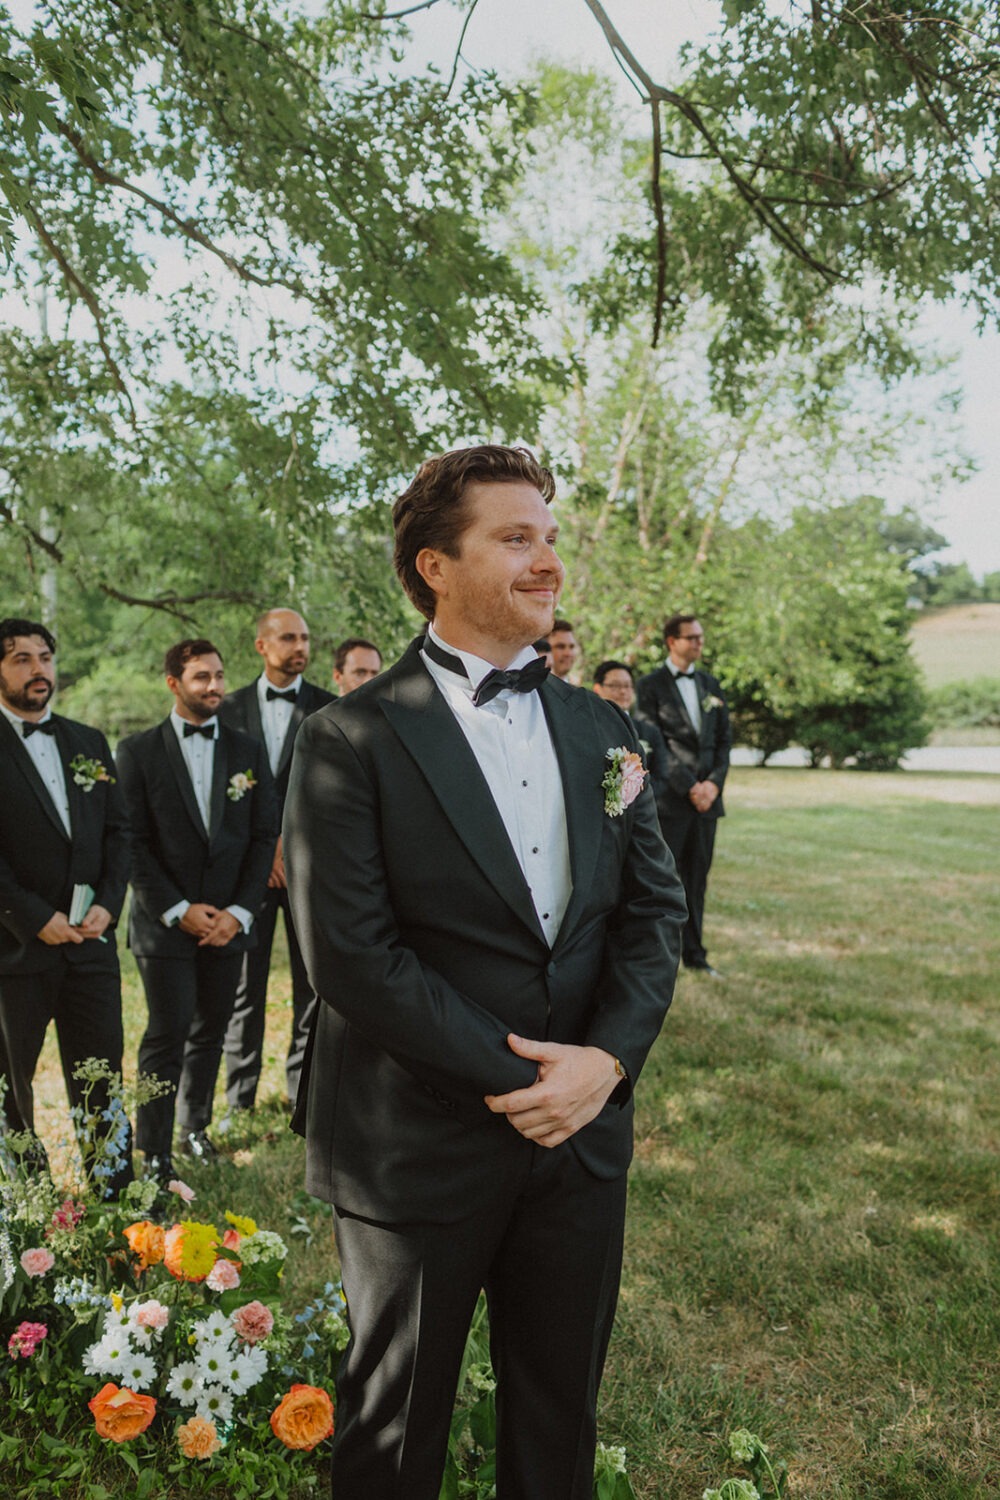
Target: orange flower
(197, 1438)
(121, 1414)
(190, 1250)
(303, 1418)
(145, 1240)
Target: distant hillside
(958, 642)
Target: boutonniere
(623, 780)
(87, 773)
(239, 784)
(709, 702)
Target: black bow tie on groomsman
(288, 696)
(28, 729)
(519, 680)
(208, 730)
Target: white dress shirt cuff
(172, 917)
(244, 917)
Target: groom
(494, 952)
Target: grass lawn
(812, 1245)
(958, 642)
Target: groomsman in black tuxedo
(493, 932)
(271, 709)
(204, 825)
(615, 683)
(689, 706)
(62, 824)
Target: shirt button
(545, 916)
(535, 850)
(524, 783)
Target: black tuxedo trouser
(85, 1002)
(690, 837)
(547, 1247)
(244, 1045)
(189, 1001)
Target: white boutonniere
(87, 773)
(239, 784)
(623, 780)
(709, 702)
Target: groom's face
(503, 587)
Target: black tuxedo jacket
(174, 857)
(40, 863)
(241, 710)
(422, 942)
(691, 756)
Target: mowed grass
(812, 1242)
(958, 642)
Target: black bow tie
(28, 729)
(208, 730)
(519, 680)
(689, 675)
(289, 696)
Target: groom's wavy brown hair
(431, 513)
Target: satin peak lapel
(580, 751)
(23, 762)
(426, 727)
(220, 776)
(181, 775)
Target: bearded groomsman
(271, 710)
(689, 707)
(204, 826)
(62, 827)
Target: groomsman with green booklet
(64, 864)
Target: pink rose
(633, 776)
(223, 1276)
(181, 1189)
(252, 1322)
(151, 1314)
(36, 1262)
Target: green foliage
(972, 703)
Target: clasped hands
(572, 1087)
(58, 929)
(703, 794)
(213, 928)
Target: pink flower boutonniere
(623, 780)
(240, 784)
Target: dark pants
(189, 1001)
(547, 1248)
(690, 837)
(85, 1002)
(244, 1045)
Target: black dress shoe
(161, 1169)
(197, 1146)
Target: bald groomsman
(272, 709)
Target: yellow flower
(190, 1250)
(117, 1301)
(242, 1225)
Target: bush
(972, 704)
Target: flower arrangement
(623, 780)
(134, 1329)
(239, 784)
(87, 773)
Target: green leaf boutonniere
(87, 773)
(709, 702)
(239, 784)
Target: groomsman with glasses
(272, 710)
(204, 825)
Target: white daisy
(215, 1329)
(185, 1383)
(215, 1404)
(212, 1364)
(139, 1372)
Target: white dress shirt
(687, 686)
(199, 757)
(275, 716)
(44, 753)
(509, 736)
